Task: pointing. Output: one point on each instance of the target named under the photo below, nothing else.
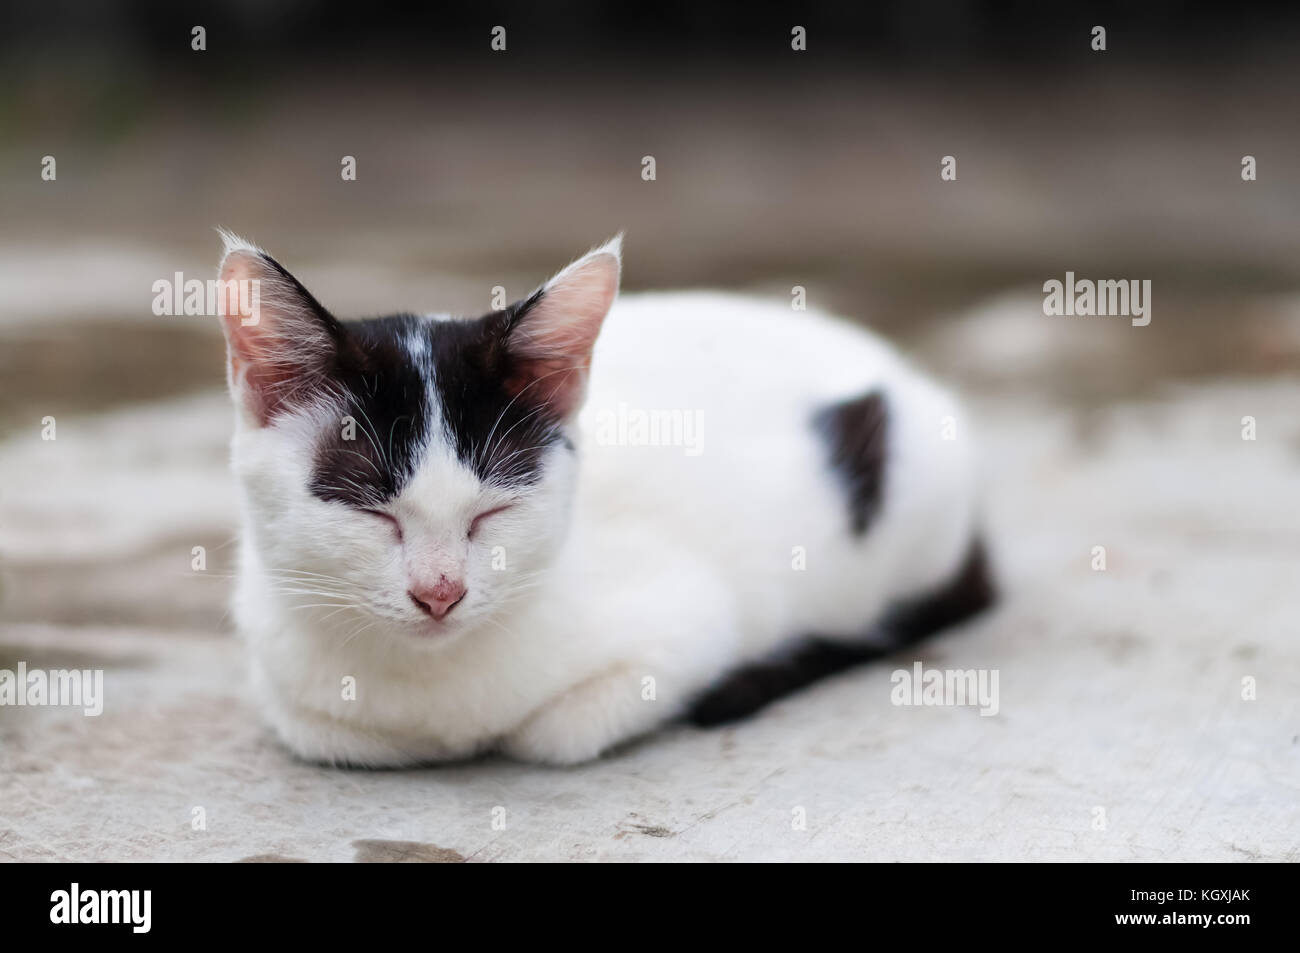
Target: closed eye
(478, 520)
(391, 520)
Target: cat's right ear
(281, 344)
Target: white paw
(547, 740)
(585, 721)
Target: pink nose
(437, 600)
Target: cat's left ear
(551, 334)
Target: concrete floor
(1122, 732)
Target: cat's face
(407, 475)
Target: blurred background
(774, 168)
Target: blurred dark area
(914, 36)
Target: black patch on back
(744, 691)
(498, 424)
(856, 432)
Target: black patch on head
(856, 432)
(386, 394)
(497, 420)
(969, 591)
(497, 416)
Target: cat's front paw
(548, 740)
(585, 721)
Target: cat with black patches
(437, 559)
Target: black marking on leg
(857, 433)
(744, 691)
(755, 686)
(967, 593)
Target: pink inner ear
(242, 326)
(237, 267)
(275, 348)
(554, 340)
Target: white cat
(521, 532)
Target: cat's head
(411, 471)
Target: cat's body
(813, 483)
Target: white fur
(635, 576)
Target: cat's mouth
(431, 629)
